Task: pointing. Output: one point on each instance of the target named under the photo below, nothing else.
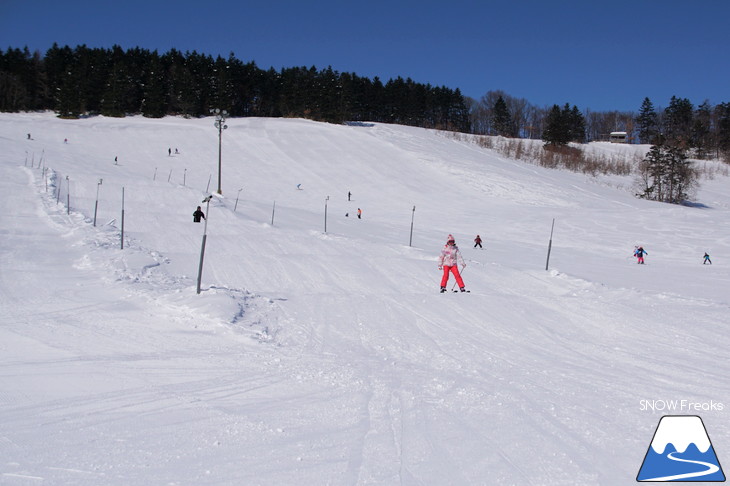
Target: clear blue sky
(600, 55)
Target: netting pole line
(550, 245)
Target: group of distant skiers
(450, 257)
(359, 211)
(639, 253)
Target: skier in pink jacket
(449, 261)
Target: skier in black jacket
(197, 215)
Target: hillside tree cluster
(83, 81)
(564, 125)
(703, 131)
(667, 175)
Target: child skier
(478, 242)
(706, 259)
(639, 254)
(449, 262)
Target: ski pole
(462, 271)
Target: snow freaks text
(682, 406)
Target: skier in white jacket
(449, 261)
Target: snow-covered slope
(331, 358)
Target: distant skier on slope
(449, 262)
(639, 253)
(478, 242)
(197, 215)
(706, 259)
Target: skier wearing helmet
(449, 262)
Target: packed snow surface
(329, 357)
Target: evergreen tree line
(114, 82)
(703, 131)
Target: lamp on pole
(220, 124)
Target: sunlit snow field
(314, 357)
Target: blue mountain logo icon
(681, 451)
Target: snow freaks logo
(680, 406)
(681, 451)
